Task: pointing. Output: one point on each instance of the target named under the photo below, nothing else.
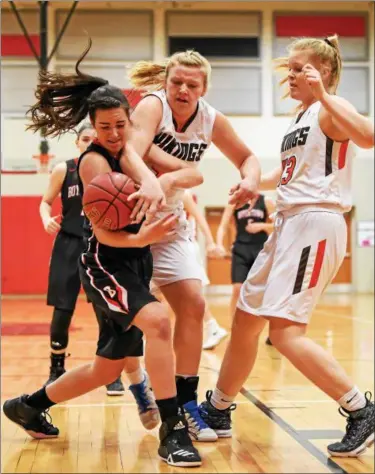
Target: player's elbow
(199, 179)
(368, 140)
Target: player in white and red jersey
(307, 247)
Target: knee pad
(59, 332)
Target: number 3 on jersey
(288, 166)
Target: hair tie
(328, 42)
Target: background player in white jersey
(213, 333)
(176, 118)
(307, 247)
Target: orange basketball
(105, 200)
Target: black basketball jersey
(257, 214)
(72, 216)
(93, 245)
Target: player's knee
(194, 311)
(159, 326)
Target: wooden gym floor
(282, 423)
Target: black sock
(186, 388)
(167, 408)
(40, 400)
(58, 360)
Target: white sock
(220, 400)
(353, 400)
(136, 377)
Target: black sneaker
(176, 447)
(57, 368)
(360, 430)
(219, 420)
(33, 421)
(115, 388)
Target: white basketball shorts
(298, 261)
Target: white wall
(263, 134)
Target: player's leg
(63, 289)
(178, 275)
(115, 387)
(140, 387)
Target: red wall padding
(320, 25)
(25, 246)
(17, 45)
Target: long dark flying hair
(64, 100)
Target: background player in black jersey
(116, 267)
(63, 281)
(253, 225)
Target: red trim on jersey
(17, 45)
(318, 263)
(342, 154)
(320, 25)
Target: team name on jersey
(184, 151)
(73, 191)
(296, 138)
(246, 213)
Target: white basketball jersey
(188, 145)
(316, 169)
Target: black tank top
(257, 214)
(72, 216)
(92, 244)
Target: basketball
(105, 200)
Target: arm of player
(340, 116)
(55, 183)
(144, 122)
(147, 235)
(185, 179)
(223, 226)
(229, 143)
(269, 181)
(163, 162)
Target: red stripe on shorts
(318, 263)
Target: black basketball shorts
(243, 258)
(118, 289)
(63, 280)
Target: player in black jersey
(116, 267)
(63, 282)
(253, 225)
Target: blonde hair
(151, 76)
(327, 50)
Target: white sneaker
(213, 338)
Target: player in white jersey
(307, 247)
(176, 118)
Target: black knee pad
(59, 332)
